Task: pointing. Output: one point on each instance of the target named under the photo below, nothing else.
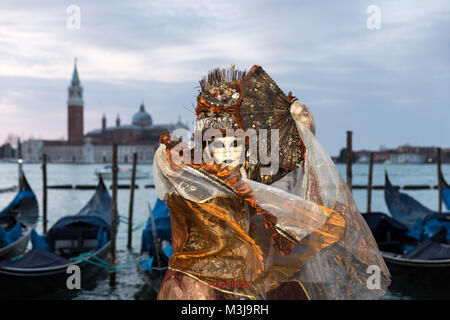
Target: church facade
(141, 136)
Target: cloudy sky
(391, 86)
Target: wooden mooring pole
(20, 161)
(439, 180)
(112, 278)
(130, 210)
(349, 159)
(44, 193)
(369, 184)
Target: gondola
(73, 240)
(415, 244)
(445, 190)
(419, 268)
(157, 245)
(17, 221)
(403, 207)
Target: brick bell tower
(75, 109)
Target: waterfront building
(141, 136)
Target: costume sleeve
(340, 271)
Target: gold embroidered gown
(302, 234)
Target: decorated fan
(265, 106)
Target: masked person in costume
(240, 232)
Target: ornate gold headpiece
(219, 98)
(221, 87)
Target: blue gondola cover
(38, 258)
(24, 194)
(38, 241)
(168, 251)
(429, 227)
(147, 264)
(96, 213)
(24, 206)
(102, 238)
(8, 237)
(161, 215)
(446, 197)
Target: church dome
(142, 118)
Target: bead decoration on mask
(215, 121)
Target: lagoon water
(130, 284)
